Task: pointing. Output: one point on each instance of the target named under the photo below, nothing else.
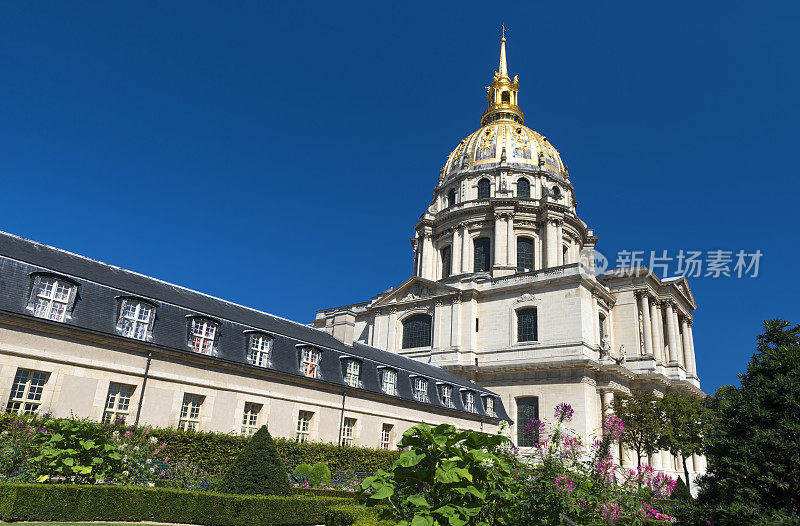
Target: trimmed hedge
(352, 515)
(72, 503)
(339, 493)
(216, 451)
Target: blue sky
(279, 154)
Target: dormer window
(469, 401)
(352, 372)
(259, 350)
(488, 406)
(202, 339)
(446, 395)
(52, 298)
(419, 387)
(135, 319)
(309, 362)
(389, 381)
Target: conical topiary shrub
(258, 469)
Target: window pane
(523, 187)
(527, 410)
(524, 254)
(446, 262)
(527, 325)
(483, 261)
(483, 189)
(417, 331)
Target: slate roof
(97, 305)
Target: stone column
(455, 322)
(511, 245)
(560, 243)
(678, 341)
(671, 339)
(499, 235)
(551, 246)
(455, 251)
(685, 345)
(427, 256)
(465, 251)
(655, 461)
(692, 363)
(655, 318)
(391, 332)
(647, 335)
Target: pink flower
(563, 483)
(564, 412)
(610, 511)
(613, 427)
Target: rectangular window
(524, 254)
(203, 334)
(527, 325)
(118, 403)
(601, 322)
(135, 319)
(469, 401)
(250, 418)
(309, 362)
(420, 388)
(26, 391)
(483, 255)
(304, 426)
(527, 420)
(348, 431)
(51, 299)
(489, 406)
(386, 436)
(389, 381)
(190, 412)
(258, 352)
(352, 373)
(446, 262)
(446, 394)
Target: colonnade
(667, 334)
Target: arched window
(523, 187)
(565, 253)
(446, 262)
(524, 254)
(417, 331)
(483, 189)
(451, 197)
(505, 97)
(483, 254)
(527, 421)
(527, 330)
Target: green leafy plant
(258, 469)
(686, 423)
(445, 477)
(642, 416)
(76, 450)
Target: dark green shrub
(303, 471)
(258, 470)
(72, 503)
(350, 515)
(680, 492)
(325, 492)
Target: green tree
(685, 425)
(258, 469)
(642, 417)
(753, 449)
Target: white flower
(115, 434)
(153, 440)
(125, 472)
(136, 448)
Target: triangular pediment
(682, 285)
(414, 289)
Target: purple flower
(613, 427)
(564, 412)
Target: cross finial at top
(504, 30)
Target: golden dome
(502, 133)
(519, 144)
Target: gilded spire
(503, 71)
(502, 93)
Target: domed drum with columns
(505, 293)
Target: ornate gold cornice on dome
(501, 94)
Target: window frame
(518, 313)
(303, 429)
(348, 374)
(527, 183)
(203, 338)
(51, 297)
(189, 416)
(525, 240)
(135, 321)
(446, 401)
(311, 367)
(347, 435)
(487, 259)
(120, 402)
(487, 402)
(521, 425)
(250, 418)
(419, 388)
(386, 436)
(410, 339)
(385, 372)
(261, 357)
(446, 262)
(451, 197)
(484, 191)
(468, 399)
(25, 398)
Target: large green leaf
(418, 500)
(383, 493)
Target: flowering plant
(17, 447)
(142, 454)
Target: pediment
(682, 285)
(414, 289)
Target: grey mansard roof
(97, 304)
